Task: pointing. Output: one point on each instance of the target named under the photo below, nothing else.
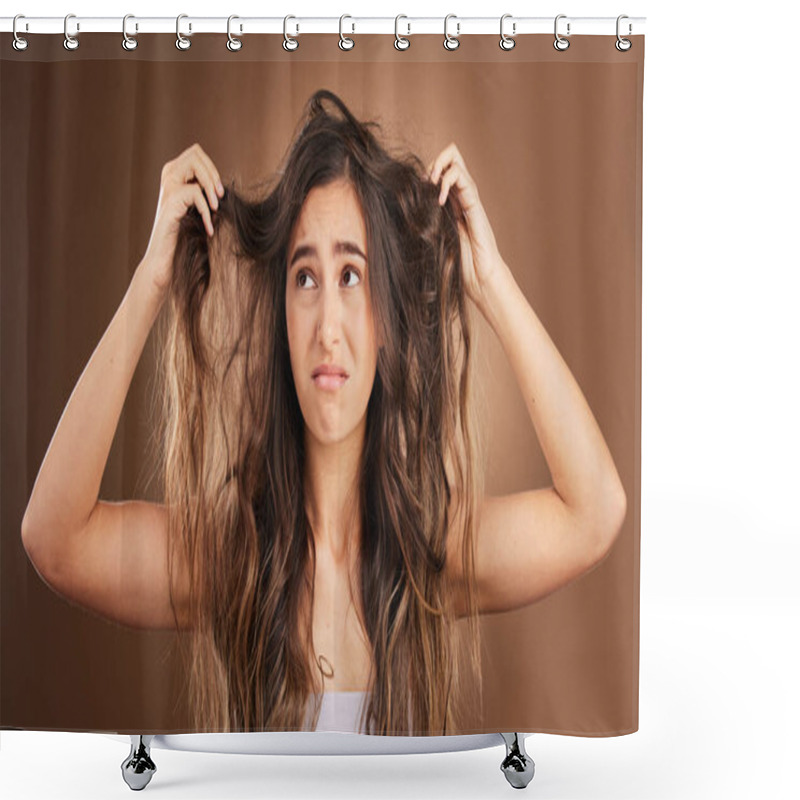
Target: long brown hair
(234, 446)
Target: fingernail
(220, 189)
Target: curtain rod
(346, 24)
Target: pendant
(320, 658)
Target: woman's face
(329, 314)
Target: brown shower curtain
(553, 141)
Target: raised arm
(76, 541)
(531, 543)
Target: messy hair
(234, 446)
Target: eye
(300, 275)
(352, 271)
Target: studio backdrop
(321, 379)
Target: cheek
(294, 322)
(369, 337)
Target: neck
(332, 478)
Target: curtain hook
(506, 42)
(451, 42)
(182, 43)
(70, 42)
(400, 42)
(19, 43)
(129, 42)
(233, 44)
(561, 43)
(623, 44)
(345, 43)
(290, 43)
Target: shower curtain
(489, 201)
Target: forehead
(328, 212)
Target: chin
(327, 431)
(328, 435)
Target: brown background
(554, 142)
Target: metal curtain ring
(623, 44)
(70, 42)
(128, 42)
(19, 43)
(451, 42)
(506, 42)
(233, 44)
(290, 43)
(345, 43)
(400, 42)
(560, 43)
(182, 43)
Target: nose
(329, 322)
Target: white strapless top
(340, 711)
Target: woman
(324, 521)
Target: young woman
(324, 522)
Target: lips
(329, 376)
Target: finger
(459, 159)
(205, 177)
(440, 164)
(194, 196)
(212, 170)
(448, 179)
(193, 168)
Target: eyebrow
(346, 248)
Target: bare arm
(109, 557)
(530, 543)
(583, 471)
(112, 557)
(68, 484)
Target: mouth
(329, 378)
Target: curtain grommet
(182, 43)
(623, 45)
(451, 42)
(234, 44)
(129, 42)
(70, 42)
(345, 42)
(507, 42)
(400, 42)
(560, 42)
(290, 43)
(18, 42)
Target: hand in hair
(183, 183)
(480, 256)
